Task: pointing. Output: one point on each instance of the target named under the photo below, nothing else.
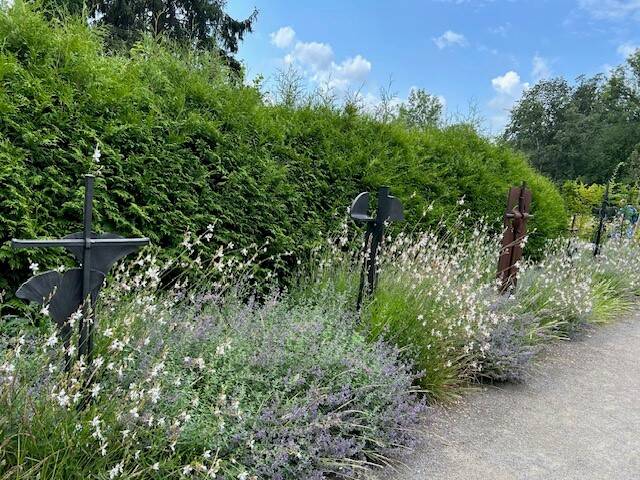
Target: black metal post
(621, 226)
(572, 232)
(389, 209)
(365, 265)
(377, 235)
(603, 210)
(86, 329)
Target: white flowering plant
(437, 298)
(203, 380)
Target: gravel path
(577, 417)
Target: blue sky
(480, 52)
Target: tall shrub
(185, 145)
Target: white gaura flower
(223, 347)
(95, 390)
(52, 340)
(154, 394)
(98, 362)
(117, 470)
(75, 318)
(97, 154)
(34, 267)
(62, 398)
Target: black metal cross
(573, 231)
(605, 211)
(77, 287)
(389, 210)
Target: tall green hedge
(183, 146)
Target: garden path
(576, 417)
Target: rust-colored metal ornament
(515, 229)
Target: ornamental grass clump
(571, 288)
(436, 298)
(188, 381)
(616, 279)
(558, 290)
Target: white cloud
(501, 30)
(611, 9)
(540, 69)
(507, 84)
(317, 63)
(450, 39)
(508, 88)
(316, 55)
(351, 70)
(283, 37)
(484, 49)
(627, 49)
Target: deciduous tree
(580, 131)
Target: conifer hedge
(183, 146)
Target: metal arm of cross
(389, 209)
(67, 243)
(77, 287)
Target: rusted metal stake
(515, 229)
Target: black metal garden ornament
(573, 231)
(77, 289)
(389, 209)
(604, 212)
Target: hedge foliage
(184, 146)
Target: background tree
(580, 131)
(421, 110)
(202, 24)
